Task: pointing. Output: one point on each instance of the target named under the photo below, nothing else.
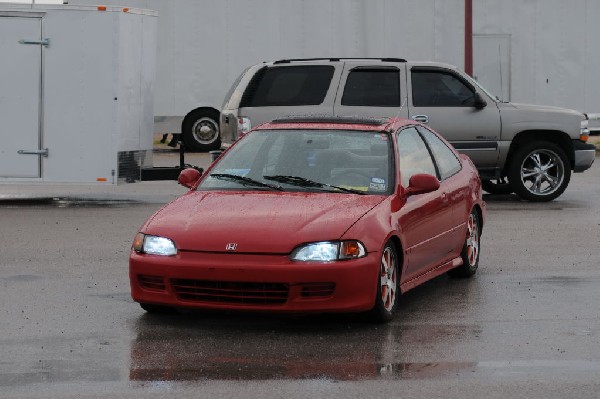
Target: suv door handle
(420, 118)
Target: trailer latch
(43, 42)
(43, 152)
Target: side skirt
(436, 271)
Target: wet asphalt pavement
(527, 325)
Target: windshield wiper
(304, 182)
(246, 181)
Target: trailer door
(20, 97)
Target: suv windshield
(307, 160)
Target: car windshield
(341, 161)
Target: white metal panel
(20, 74)
(129, 105)
(554, 48)
(80, 91)
(203, 45)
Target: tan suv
(527, 149)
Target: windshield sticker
(237, 172)
(377, 184)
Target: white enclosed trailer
(76, 103)
(203, 45)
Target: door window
(288, 86)
(372, 88)
(448, 164)
(440, 89)
(414, 155)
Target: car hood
(257, 222)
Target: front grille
(155, 283)
(231, 292)
(314, 290)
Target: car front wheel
(386, 301)
(539, 171)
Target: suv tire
(539, 171)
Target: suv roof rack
(332, 59)
(361, 120)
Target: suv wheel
(539, 171)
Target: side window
(448, 164)
(372, 88)
(414, 155)
(440, 89)
(288, 86)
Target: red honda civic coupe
(313, 215)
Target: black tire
(470, 251)
(498, 186)
(388, 286)
(157, 309)
(200, 130)
(539, 171)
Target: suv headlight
(154, 245)
(328, 251)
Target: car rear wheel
(539, 171)
(386, 301)
(150, 308)
(470, 251)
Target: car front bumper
(585, 154)
(253, 282)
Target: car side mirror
(479, 102)
(189, 177)
(422, 183)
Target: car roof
(336, 123)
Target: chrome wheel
(472, 242)
(388, 279)
(205, 131)
(542, 172)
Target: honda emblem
(232, 246)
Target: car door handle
(420, 118)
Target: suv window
(372, 88)
(414, 155)
(292, 85)
(440, 89)
(447, 163)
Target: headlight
(154, 245)
(329, 251)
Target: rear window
(372, 88)
(285, 86)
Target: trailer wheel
(200, 130)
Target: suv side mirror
(188, 177)
(479, 101)
(422, 183)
